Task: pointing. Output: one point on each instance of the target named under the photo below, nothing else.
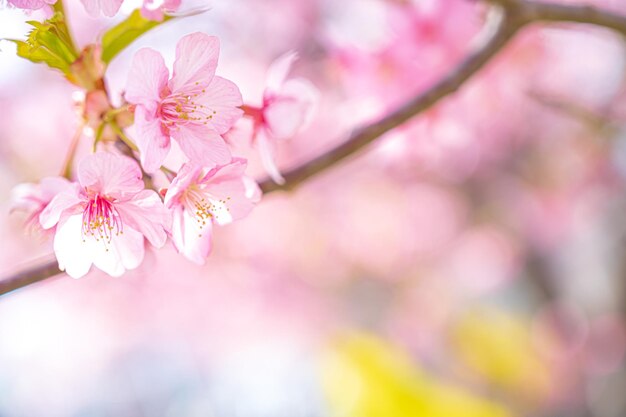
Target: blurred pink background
(477, 252)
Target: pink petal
(153, 143)
(152, 10)
(147, 214)
(203, 146)
(187, 175)
(233, 170)
(107, 7)
(113, 175)
(69, 201)
(253, 191)
(92, 7)
(152, 14)
(51, 186)
(126, 251)
(171, 5)
(227, 184)
(28, 4)
(191, 240)
(26, 197)
(110, 7)
(196, 61)
(74, 255)
(30, 196)
(178, 228)
(284, 117)
(34, 198)
(223, 98)
(291, 109)
(146, 79)
(277, 72)
(266, 151)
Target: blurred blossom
(482, 260)
(598, 76)
(469, 263)
(33, 198)
(287, 108)
(357, 23)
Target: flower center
(198, 204)
(101, 219)
(203, 207)
(180, 109)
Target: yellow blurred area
(499, 347)
(363, 376)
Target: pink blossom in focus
(33, 198)
(194, 107)
(198, 199)
(287, 108)
(155, 9)
(104, 220)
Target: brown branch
(516, 14)
(532, 11)
(359, 139)
(40, 271)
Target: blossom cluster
(105, 215)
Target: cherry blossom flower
(33, 198)
(104, 219)
(199, 198)
(287, 108)
(194, 107)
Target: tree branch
(506, 28)
(516, 14)
(30, 275)
(533, 11)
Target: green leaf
(50, 43)
(55, 44)
(123, 34)
(40, 55)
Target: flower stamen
(203, 207)
(181, 109)
(101, 220)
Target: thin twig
(517, 13)
(66, 170)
